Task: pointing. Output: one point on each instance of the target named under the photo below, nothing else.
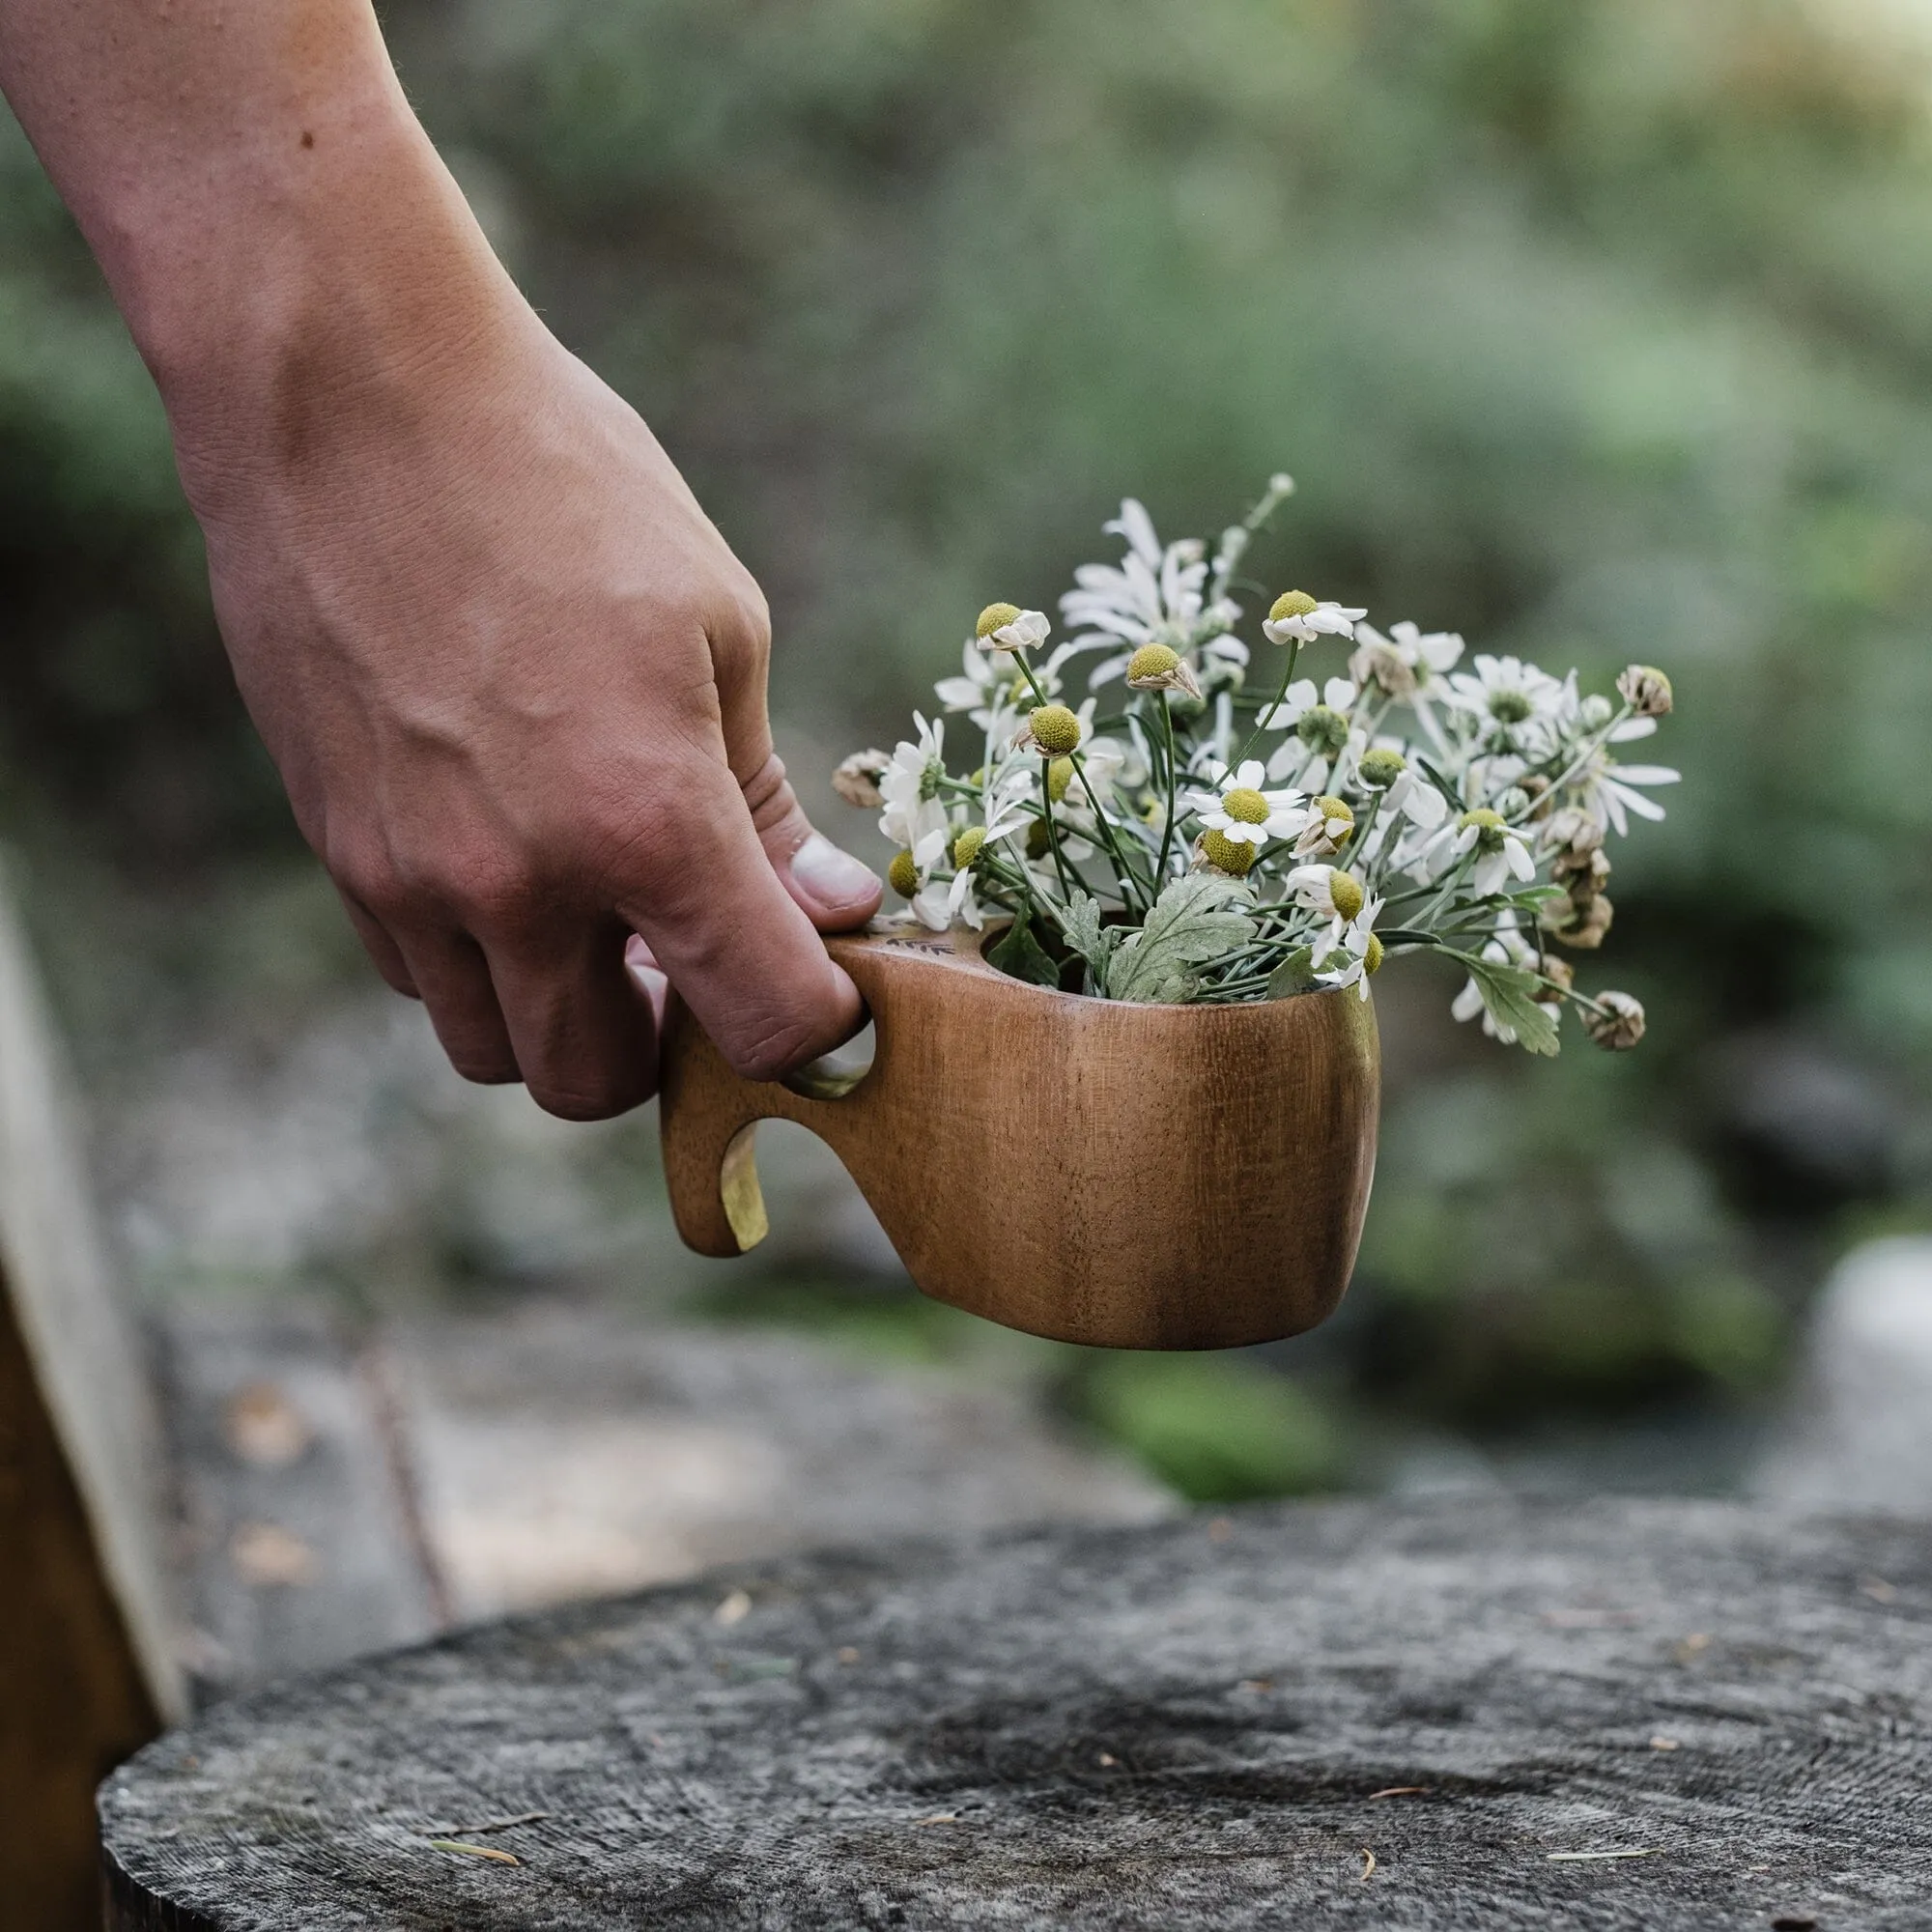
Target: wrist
(274, 286)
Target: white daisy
(1610, 791)
(1498, 849)
(1026, 631)
(1245, 814)
(1156, 594)
(1298, 619)
(1359, 949)
(910, 786)
(1514, 704)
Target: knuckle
(592, 1100)
(490, 888)
(773, 1048)
(484, 1068)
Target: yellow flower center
(995, 617)
(1382, 767)
(1245, 806)
(1055, 728)
(1152, 661)
(903, 874)
(1291, 603)
(1344, 890)
(1059, 776)
(1490, 827)
(1338, 821)
(966, 847)
(1227, 855)
(1373, 955)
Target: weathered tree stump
(1468, 1715)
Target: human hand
(515, 682)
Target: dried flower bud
(1059, 776)
(1647, 692)
(996, 617)
(1583, 927)
(902, 874)
(1380, 767)
(1616, 1024)
(1382, 665)
(1052, 731)
(1159, 668)
(1581, 874)
(1559, 973)
(1576, 830)
(857, 779)
(1291, 603)
(1227, 855)
(966, 847)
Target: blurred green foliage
(1596, 330)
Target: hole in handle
(832, 1075)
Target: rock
(1861, 1433)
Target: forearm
(254, 185)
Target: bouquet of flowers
(1192, 832)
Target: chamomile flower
(1499, 850)
(1298, 619)
(910, 783)
(1155, 595)
(1514, 704)
(1242, 812)
(1005, 627)
(1610, 791)
(1355, 953)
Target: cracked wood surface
(1218, 1723)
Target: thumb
(834, 890)
(736, 944)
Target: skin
(513, 677)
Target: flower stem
(1281, 694)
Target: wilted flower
(1615, 1021)
(857, 779)
(1331, 824)
(1161, 667)
(1407, 662)
(1052, 731)
(1647, 692)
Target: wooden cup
(1128, 1176)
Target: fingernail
(830, 876)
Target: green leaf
(1093, 942)
(1022, 956)
(1509, 992)
(1294, 975)
(1194, 921)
